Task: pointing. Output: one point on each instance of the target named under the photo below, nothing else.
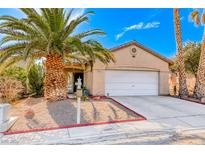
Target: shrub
(16, 72)
(36, 77)
(10, 89)
(192, 51)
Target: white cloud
(77, 13)
(139, 26)
(152, 25)
(182, 18)
(156, 13)
(133, 27)
(118, 36)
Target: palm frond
(37, 19)
(203, 17)
(50, 31)
(75, 23)
(198, 16)
(90, 33)
(9, 62)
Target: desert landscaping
(63, 113)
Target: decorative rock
(5, 126)
(29, 113)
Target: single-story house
(137, 71)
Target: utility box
(4, 113)
(5, 121)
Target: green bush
(36, 77)
(17, 73)
(192, 51)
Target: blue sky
(154, 28)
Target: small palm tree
(198, 16)
(183, 91)
(49, 33)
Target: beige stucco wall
(88, 79)
(124, 61)
(164, 83)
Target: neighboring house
(137, 71)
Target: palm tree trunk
(183, 91)
(199, 90)
(55, 82)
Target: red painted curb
(126, 107)
(81, 125)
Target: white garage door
(131, 83)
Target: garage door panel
(130, 83)
(128, 86)
(131, 93)
(148, 77)
(144, 81)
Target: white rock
(6, 125)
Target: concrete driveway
(166, 110)
(167, 118)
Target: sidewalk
(95, 134)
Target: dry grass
(63, 113)
(10, 89)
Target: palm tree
(49, 34)
(183, 91)
(199, 90)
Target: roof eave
(144, 48)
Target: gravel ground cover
(63, 113)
